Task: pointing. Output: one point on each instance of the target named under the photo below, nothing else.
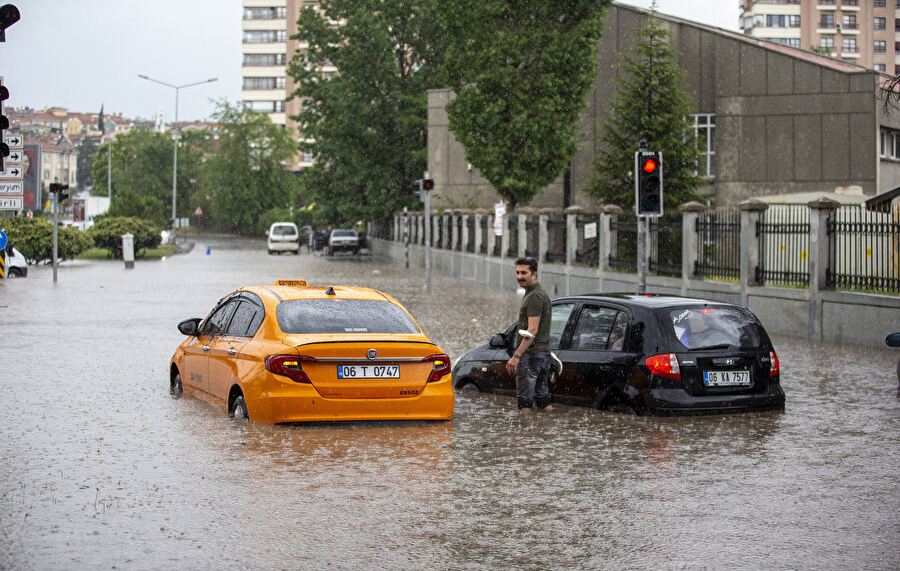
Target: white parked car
(283, 237)
(16, 266)
(343, 240)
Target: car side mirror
(893, 340)
(190, 327)
(498, 341)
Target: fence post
(606, 242)
(690, 214)
(572, 213)
(819, 211)
(504, 236)
(543, 234)
(479, 231)
(751, 215)
(524, 213)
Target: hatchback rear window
(283, 230)
(343, 316)
(715, 327)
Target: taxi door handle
(205, 347)
(231, 352)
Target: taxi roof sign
(291, 283)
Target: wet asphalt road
(103, 469)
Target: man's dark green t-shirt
(536, 302)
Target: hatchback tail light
(289, 366)
(774, 365)
(665, 365)
(441, 367)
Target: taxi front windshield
(343, 316)
(699, 328)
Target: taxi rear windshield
(343, 316)
(715, 327)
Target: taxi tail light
(774, 364)
(441, 367)
(289, 366)
(665, 365)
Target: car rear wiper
(711, 347)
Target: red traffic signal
(649, 165)
(428, 184)
(648, 183)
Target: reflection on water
(106, 470)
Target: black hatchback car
(647, 353)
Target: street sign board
(7, 187)
(11, 203)
(15, 157)
(3, 239)
(13, 172)
(13, 141)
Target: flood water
(103, 469)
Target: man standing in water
(530, 363)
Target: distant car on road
(648, 354)
(289, 352)
(343, 240)
(16, 265)
(283, 237)
(893, 340)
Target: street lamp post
(175, 156)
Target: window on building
(849, 46)
(705, 135)
(827, 20)
(880, 23)
(826, 2)
(263, 60)
(850, 2)
(881, 67)
(267, 13)
(792, 42)
(265, 106)
(890, 144)
(776, 21)
(794, 21)
(880, 3)
(849, 22)
(897, 48)
(880, 47)
(263, 83)
(264, 36)
(826, 44)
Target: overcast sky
(80, 54)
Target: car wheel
(468, 383)
(239, 408)
(175, 386)
(271, 253)
(15, 272)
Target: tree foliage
(244, 175)
(366, 125)
(34, 238)
(521, 70)
(649, 104)
(142, 175)
(108, 232)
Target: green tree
(244, 175)
(366, 125)
(649, 104)
(142, 175)
(521, 70)
(34, 238)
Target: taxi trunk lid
(370, 369)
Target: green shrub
(108, 232)
(34, 238)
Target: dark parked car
(648, 354)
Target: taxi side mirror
(190, 326)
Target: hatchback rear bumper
(679, 402)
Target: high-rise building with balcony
(859, 31)
(267, 49)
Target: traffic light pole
(427, 200)
(642, 222)
(55, 230)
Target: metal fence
(719, 244)
(556, 239)
(665, 245)
(587, 245)
(784, 245)
(623, 232)
(864, 250)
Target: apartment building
(864, 32)
(267, 49)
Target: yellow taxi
(290, 352)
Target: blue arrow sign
(3, 239)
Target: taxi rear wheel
(239, 408)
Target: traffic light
(428, 184)
(9, 15)
(59, 190)
(648, 183)
(4, 125)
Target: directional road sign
(11, 203)
(15, 157)
(10, 187)
(14, 141)
(13, 172)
